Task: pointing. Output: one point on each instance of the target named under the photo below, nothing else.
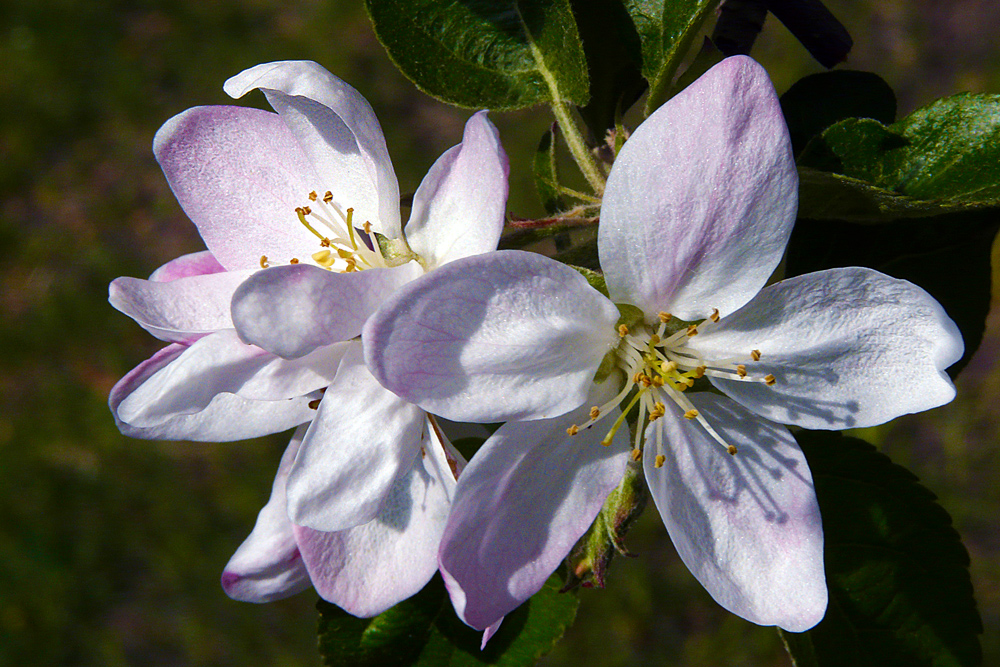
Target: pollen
(732, 450)
(622, 330)
(263, 262)
(313, 196)
(691, 414)
(660, 460)
(769, 379)
(741, 370)
(636, 455)
(573, 430)
(664, 317)
(715, 315)
(755, 355)
(327, 197)
(595, 412)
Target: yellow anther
(622, 330)
(715, 315)
(664, 317)
(293, 260)
(699, 371)
(314, 404)
(691, 414)
(324, 258)
(732, 450)
(689, 382)
(263, 262)
(657, 381)
(306, 210)
(313, 196)
(595, 412)
(668, 366)
(573, 430)
(755, 355)
(660, 460)
(654, 340)
(645, 380)
(328, 197)
(367, 227)
(692, 329)
(741, 370)
(769, 379)
(325, 242)
(636, 455)
(659, 409)
(637, 378)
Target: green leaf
(946, 154)
(816, 102)
(424, 631)
(947, 255)
(900, 593)
(666, 30)
(546, 173)
(503, 54)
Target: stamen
(741, 370)
(263, 262)
(715, 315)
(732, 450)
(692, 329)
(327, 197)
(636, 455)
(622, 330)
(595, 412)
(313, 196)
(660, 460)
(769, 380)
(691, 414)
(755, 355)
(664, 317)
(573, 430)
(293, 260)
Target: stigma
(660, 367)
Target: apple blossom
(696, 214)
(300, 213)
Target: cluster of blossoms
(688, 361)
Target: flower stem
(585, 160)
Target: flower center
(343, 248)
(660, 366)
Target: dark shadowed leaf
(546, 173)
(900, 593)
(425, 632)
(499, 54)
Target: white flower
(696, 215)
(362, 494)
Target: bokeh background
(110, 548)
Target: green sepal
(588, 562)
(897, 572)
(594, 278)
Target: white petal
(338, 130)
(292, 310)
(221, 364)
(502, 336)
(520, 505)
(363, 440)
(848, 348)
(181, 310)
(368, 569)
(702, 198)
(239, 174)
(194, 264)
(227, 417)
(268, 566)
(458, 210)
(747, 526)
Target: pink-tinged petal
(292, 310)
(748, 525)
(337, 129)
(363, 440)
(222, 364)
(521, 504)
(268, 566)
(488, 634)
(181, 310)
(848, 348)
(458, 210)
(227, 417)
(370, 568)
(239, 175)
(502, 336)
(701, 200)
(194, 264)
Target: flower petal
(701, 200)
(849, 348)
(458, 210)
(239, 175)
(748, 525)
(362, 441)
(181, 310)
(370, 568)
(221, 363)
(194, 264)
(292, 310)
(268, 566)
(502, 336)
(520, 505)
(226, 417)
(337, 129)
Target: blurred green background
(111, 549)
